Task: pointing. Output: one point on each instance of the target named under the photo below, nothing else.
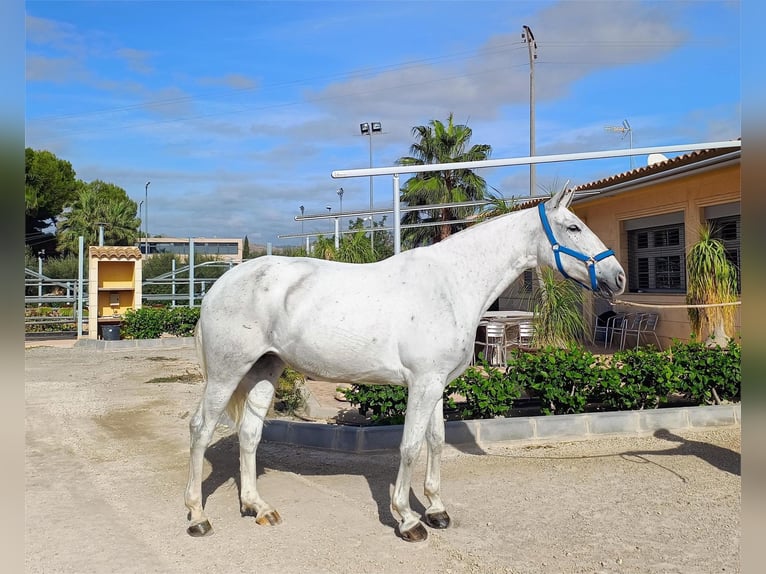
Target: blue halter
(590, 262)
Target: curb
(521, 429)
(161, 343)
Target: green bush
(708, 374)
(489, 392)
(289, 395)
(384, 404)
(573, 380)
(152, 322)
(640, 379)
(563, 379)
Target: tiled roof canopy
(118, 252)
(659, 167)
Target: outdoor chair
(526, 334)
(629, 326)
(606, 327)
(648, 327)
(491, 342)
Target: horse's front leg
(436, 515)
(421, 402)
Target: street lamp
(367, 129)
(146, 215)
(329, 209)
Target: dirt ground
(106, 464)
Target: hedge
(573, 380)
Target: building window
(656, 261)
(527, 283)
(724, 223)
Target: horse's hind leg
(261, 380)
(201, 427)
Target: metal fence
(178, 287)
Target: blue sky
(238, 112)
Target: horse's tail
(236, 406)
(200, 352)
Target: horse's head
(575, 250)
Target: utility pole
(529, 38)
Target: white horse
(408, 320)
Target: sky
(239, 112)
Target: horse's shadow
(378, 468)
(722, 458)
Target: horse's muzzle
(609, 289)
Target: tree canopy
(55, 198)
(98, 203)
(50, 184)
(440, 143)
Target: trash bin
(110, 332)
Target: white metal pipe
(363, 172)
(337, 234)
(80, 283)
(191, 272)
(397, 217)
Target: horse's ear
(562, 198)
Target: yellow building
(650, 217)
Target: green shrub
(563, 379)
(708, 375)
(489, 392)
(383, 404)
(289, 395)
(573, 380)
(638, 379)
(152, 322)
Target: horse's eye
(573, 228)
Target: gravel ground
(106, 463)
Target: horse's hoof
(438, 520)
(417, 533)
(270, 518)
(200, 529)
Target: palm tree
(440, 143)
(98, 204)
(558, 314)
(712, 279)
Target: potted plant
(712, 281)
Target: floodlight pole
(367, 129)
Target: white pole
(39, 279)
(397, 218)
(80, 281)
(173, 279)
(191, 272)
(337, 233)
(363, 172)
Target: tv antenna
(625, 130)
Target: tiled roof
(659, 167)
(125, 252)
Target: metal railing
(43, 291)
